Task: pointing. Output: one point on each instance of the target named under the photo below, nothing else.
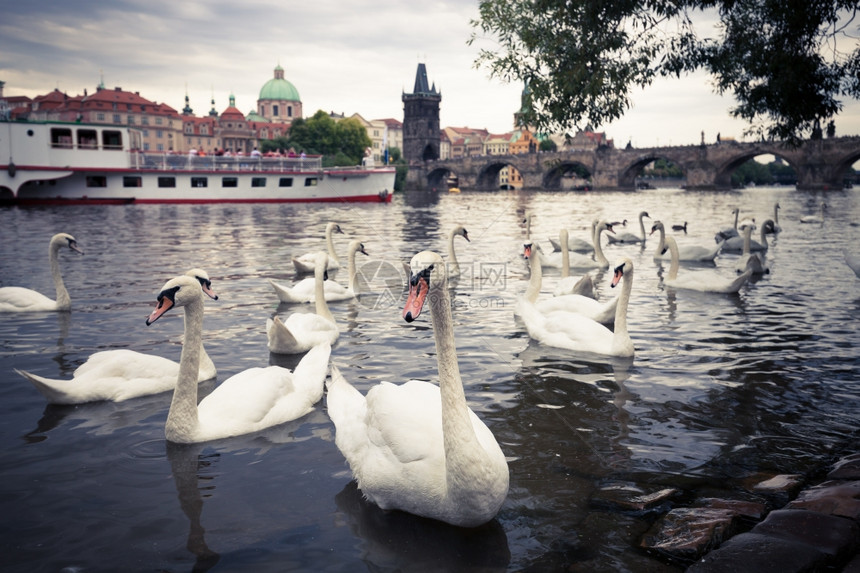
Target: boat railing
(166, 161)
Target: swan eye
(619, 269)
(168, 293)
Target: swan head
(427, 269)
(333, 228)
(65, 240)
(644, 214)
(179, 291)
(621, 267)
(205, 284)
(657, 226)
(460, 230)
(356, 246)
(604, 226)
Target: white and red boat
(72, 163)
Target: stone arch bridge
(819, 164)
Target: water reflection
(398, 541)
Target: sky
(342, 57)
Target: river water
(724, 390)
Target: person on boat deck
(255, 153)
(192, 151)
(292, 153)
(228, 153)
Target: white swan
(853, 261)
(749, 260)
(602, 312)
(628, 237)
(578, 260)
(686, 252)
(303, 291)
(577, 244)
(776, 227)
(703, 281)
(728, 232)
(20, 299)
(736, 244)
(304, 330)
(565, 329)
(453, 264)
(815, 219)
(417, 447)
(250, 401)
(305, 263)
(583, 285)
(118, 375)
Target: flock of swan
(415, 446)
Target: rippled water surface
(722, 387)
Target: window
(159, 134)
(311, 182)
(132, 181)
(158, 146)
(144, 120)
(88, 139)
(111, 139)
(199, 182)
(131, 120)
(117, 118)
(61, 137)
(146, 133)
(289, 111)
(285, 182)
(275, 110)
(158, 121)
(128, 107)
(258, 182)
(146, 146)
(167, 181)
(96, 181)
(100, 116)
(229, 182)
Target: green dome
(279, 89)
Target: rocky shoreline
(818, 530)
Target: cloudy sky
(345, 57)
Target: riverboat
(73, 163)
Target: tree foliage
(341, 143)
(786, 62)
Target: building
(279, 100)
(421, 120)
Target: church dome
(279, 89)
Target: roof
(279, 89)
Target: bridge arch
(627, 176)
(488, 176)
(842, 166)
(554, 175)
(723, 177)
(437, 178)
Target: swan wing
(302, 291)
(20, 299)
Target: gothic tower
(421, 134)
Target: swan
(304, 330)
(122, 374)
(453, 265)
(748, 259)
(578, 260)
(687, 252)
(729, 232)
(305, 263)
(303, 291)
(565, 329)
(815, 219)
(250, 401)
(628, 237)
(602, 312)
(736, 244)
(416, 446)
(703, 281)
(853, 261)
(776, 227)
(577, 244)
(20, 299)
(583, 285)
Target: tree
(548, 145)
(786, 62)
(342, 143)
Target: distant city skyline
(356, 62)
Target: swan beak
(527, 251)
(74, 246)
(207, 289)
(165, 303)
(418, 289)
(616, 277)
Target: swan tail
(311, 370)
(281, 340)
(284, 293)
(347, 408)
(47, 387)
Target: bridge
(819, 164)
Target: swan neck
(63, 300)
(642, 226)
(453, 265)
(350, 271)
(535, 276)
(620, 329)
(598, 250)
(320, 304)
(329, 243)
(748, 240)
(763, 236)
(182, 418)
(565, 253)
(661, 245)
(457, 428)
(676, 259)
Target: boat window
(200, 182)
(229, 182)
(61, 137)
(96, 181)
(87, 139)
(167, 181)
(258, 182)
(285, 182)
(111, 139)
(311, 182)
(132, 181)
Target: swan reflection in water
(399, 541)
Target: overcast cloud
(355, 57)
